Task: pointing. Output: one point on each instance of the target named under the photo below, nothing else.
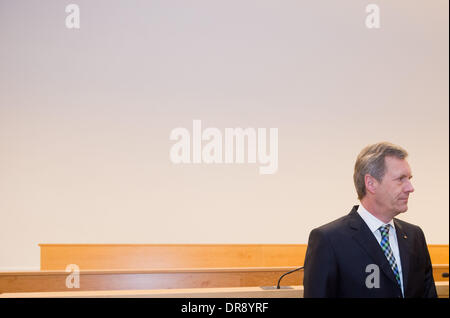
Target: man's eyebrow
(404, 176)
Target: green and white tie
(386, 247)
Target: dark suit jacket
(339, 252)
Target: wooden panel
(138, 256)
(44, 281)
(438, 270)
(438, 253)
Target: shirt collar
(372, 222)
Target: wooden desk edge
(227, 292)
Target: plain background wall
(85, 117)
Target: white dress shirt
(374, 224)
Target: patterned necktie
(386, 247)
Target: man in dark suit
(369, 253)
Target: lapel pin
(405, 236)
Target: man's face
(394, 189)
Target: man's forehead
(397, 165)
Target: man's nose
(409, 187)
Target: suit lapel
(369, 243)
(405, 250)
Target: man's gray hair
(371, 161)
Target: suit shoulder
(409, 229)
(406, 226)
(333, 226)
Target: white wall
(85, 117)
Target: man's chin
(402, 209)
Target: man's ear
(371, 183)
